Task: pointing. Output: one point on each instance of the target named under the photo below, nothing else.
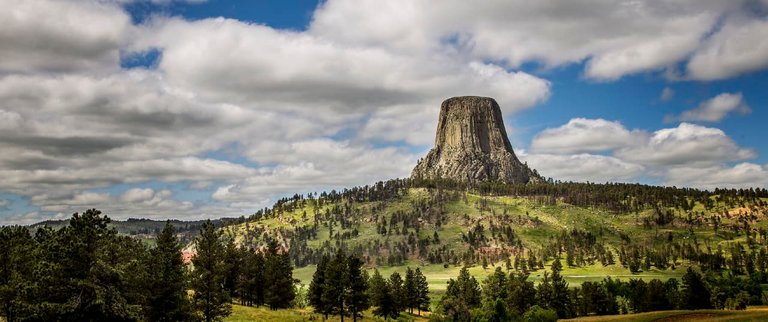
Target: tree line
(513, 297)
(86, 271)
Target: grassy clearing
(759, 313)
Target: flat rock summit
(471, 145)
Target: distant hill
(147, 228)
(631, 227)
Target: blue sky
(203, 109)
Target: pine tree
(521, 293)
(335, 281)
(561, 302)
(278, 275)
(422, 291)
(381, 297)
(16, 256)
(695, 294)
(167, 298)
(398, 291)
(357, 286)
(317, 287)
(210, 299)
(409, 289)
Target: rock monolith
(471, 145)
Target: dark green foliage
(560, 300)
(539, 314)
(278, 275)
(211, 299)
(398, 291)
(461, 296)
(422, 291)
(16, 263)
(410, 300)
(333, 291)
(357, 287)
(380, 294)
(317, 288)
(695, 294)
(251, 283)
(521, 293)
(167, 298)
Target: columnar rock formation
(472, 145)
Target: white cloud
(585, 135)
(739, 176)
(741, 46)
(61, 36)
(688, 155)
(225, 60)
(583, 167)
(715, 109)
(318, 164)
(615, 38)
(686, 144)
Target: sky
(207, 109)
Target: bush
(538, 314)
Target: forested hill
(522, 225)
(148, 228)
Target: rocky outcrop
(472, 145)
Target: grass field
(751, 314)
(245, 313)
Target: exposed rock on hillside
(472, 145)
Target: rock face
(472, 145)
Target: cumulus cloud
(584, 135)
(741, 46)
(626, 37)
(686, 144)
(61, 36)
(583, 167)
(687, 155)
(250, 112)
(741, 175)
(715, 109)
(224, 60)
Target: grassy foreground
(759, 313)
(244, 313)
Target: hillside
(622, 230)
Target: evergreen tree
(495, 286)
(211, 299)
(461, 297)
(167, 298)
(398, 291)
(251, 279)
(278, 275)
(16, 264)
(561, 302)
(521, 293)
(381, 297)
(317, 287)
(90, 264)
(335, 281)
(422, 292)
(695, 294)
(409, 288)
(357, 286)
